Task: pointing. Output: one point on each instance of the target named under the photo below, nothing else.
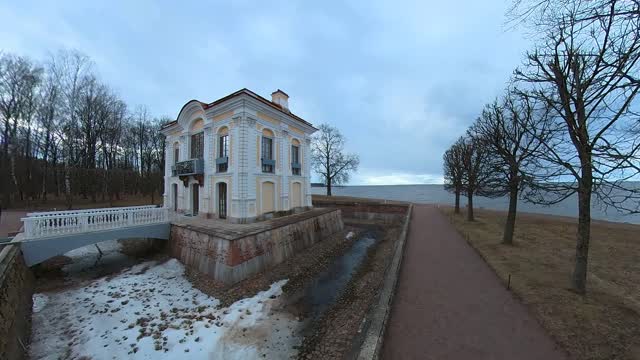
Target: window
(295, 160)
(223, 154)
(197, 146)
(223, 149)
(176, 155)
(267, 155)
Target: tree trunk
(56, 175)
(457, 207)
(509, 226)
(328, 187)
(43, 188)
(14, 178)
(67, 189)
(470, 207)
(579, 278)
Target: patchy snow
(39, 302)
(151, 311)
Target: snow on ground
(151, 311)
(39, 302)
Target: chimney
(281, 98)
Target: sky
(400, 79)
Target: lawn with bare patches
(604, 324)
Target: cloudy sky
(401, 79)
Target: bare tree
(480, 174)
(454, 170)
(510, 128)
(73, 69)
(19, 78)
(64, 131)
(329, 158)
(586, 70)
(48, 114)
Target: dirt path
(10, 221)
(450, 305)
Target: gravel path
(450, 305)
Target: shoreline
(442, 198)
(565, 218)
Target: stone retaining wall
(366, 210)
(16, 291)
(230, 261)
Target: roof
(253, 95)
(280, 91)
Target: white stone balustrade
(80, 211)
(41, 225)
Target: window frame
(267, 168)
(223, 145)
(295, 160)
(222, 161)
(200, 137)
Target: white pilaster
(251, 166)
(208, 169)
(183, 192)
(234, 165)
(285, 169)
(306, 167)
(168, 157)
(184, 146)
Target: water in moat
(329, 285)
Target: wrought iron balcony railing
(188, 167)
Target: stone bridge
(47, 234)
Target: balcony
(268, 165)
(188, 167)
(222, 164)
(295, 168)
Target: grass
(604, 324)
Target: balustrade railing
(81, 211)
(81, 221)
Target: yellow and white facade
(237, 158)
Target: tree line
(65, 134)
(568, 123)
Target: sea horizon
(436, 194)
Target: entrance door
(174, 192)
(222, 200)
(196, 198)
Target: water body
(318, 296)
(435, 194)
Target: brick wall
(16, 291)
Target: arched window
(295, 157)
(222, 161)
(197, 139)
(268, 158)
